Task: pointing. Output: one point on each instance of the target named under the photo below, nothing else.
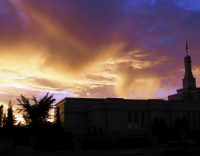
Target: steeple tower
(189, 92)
(188, 81)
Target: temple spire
(186, 47)
(189, 80)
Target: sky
(96, 48)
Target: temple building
(118, 116)
(189, 92)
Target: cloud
(115, 48)
(137, 83)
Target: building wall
(122, 117)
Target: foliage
(1, 116)
(4, 120)
(36, 112)
(10, 119)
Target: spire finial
(186, 47)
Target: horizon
(96, 49)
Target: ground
(161, 151)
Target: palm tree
(36, 112)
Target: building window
(133, 120)
(194, 119)
(136, 120)
(142, 119)
(198, 119)
(130, 126)
(188, 119)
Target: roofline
(122, 99)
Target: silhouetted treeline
(37, 133)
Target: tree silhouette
(36, 112)
(4, 120)
(1, 116)
(10, 119)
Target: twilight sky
(96, 48)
